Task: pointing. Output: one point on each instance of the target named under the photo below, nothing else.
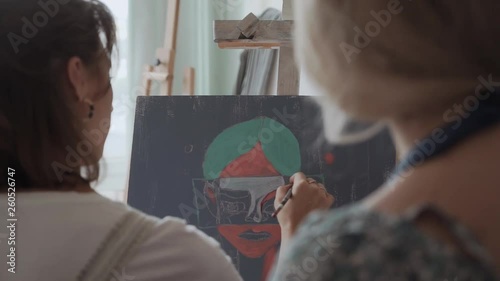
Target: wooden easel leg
(189, 81)
(170, 44)
(169, 86)
(146, 83)
(164, 86)
(289, 74)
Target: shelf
(268, 34)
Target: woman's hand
(307, 196)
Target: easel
(252, 33)
(163, 71)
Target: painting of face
(246, 206)
(244, 185)
(216, 162)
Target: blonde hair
(383, 59)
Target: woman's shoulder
(357, 244)
(176, 250)
(170, 249)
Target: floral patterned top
(356, 244)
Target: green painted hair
(279, 144)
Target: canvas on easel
(216, 162)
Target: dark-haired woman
(55, 107)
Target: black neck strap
(476, 114)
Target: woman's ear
(78, 77)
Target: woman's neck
(473, 161)
(480, 148)
(464, 182)
(408, 132)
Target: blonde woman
(428, 70)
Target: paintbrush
(287, 197)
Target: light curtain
(216, 69)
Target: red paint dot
(329, 158)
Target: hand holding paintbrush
(295, 201)
(288, 196)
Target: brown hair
(37, 38)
